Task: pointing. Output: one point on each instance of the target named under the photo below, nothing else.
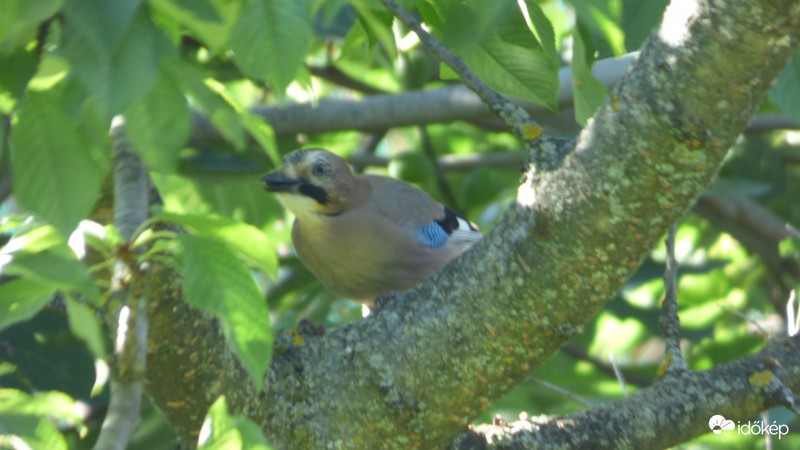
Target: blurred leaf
(262, 133)
(6, 368)
(36, 433)
(20, 20)
(589, 93)
(639, 18)
(413, 167)
(270, 40)
(114, 49)
(221, 431)
(786, 91)
(21, 299)
(53, 404)
(14, 81)
(210, 21)
(208, 102)
(245, 240)
(604, 18)
(616, 335)
(377, 24)
(215, 281)
(55, 175)
(85, 324)
(333, 19)
(56, 271)
(158, 125)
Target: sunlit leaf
(222, 431)
(21, 299)
(158, 124)
(245, 240)
(85, 324)
(210, 21)
(215, 281)
(55, 175)
(270, 40)
(588, 92)
(213, 106)
(56, 271)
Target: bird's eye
(318, 170)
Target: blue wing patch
(431, 235)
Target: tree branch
(441, 105)
(417, 371)
(670, 323)
(659, 416)
(131, 189)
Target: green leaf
(640, 16)
(55, 175)
(511, 60)
(542, 28)
(14, 81)
(57, 271)
(247, 241)
(604, 18)
(224, 431)
(589, 93)
(85, 325)
(158, 125)
(377, 23)
(786, 92)
(215, 281)
(209, 102)
(53, 404)
(7, 368)
(114, 50)
(210, 21)
(21, 299)
(263, 134)
(35, 432)
(270, 40)
(21, 18)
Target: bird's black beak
(277, 182)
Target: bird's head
(313, 181)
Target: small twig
(581, 354)
(571, 395)
(618, 374)
(512, 114)
(336, 76)
(130, 210)
(441, 183)
(792, 316)
(366, 152)
(670, 323)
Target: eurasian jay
(365, 236)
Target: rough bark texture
(673, 410)
(413, 374)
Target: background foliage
(68, 67)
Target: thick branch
(659, 416)
(416, 372)
(441, 105)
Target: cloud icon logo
(718, 423)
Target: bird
(365, 237)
